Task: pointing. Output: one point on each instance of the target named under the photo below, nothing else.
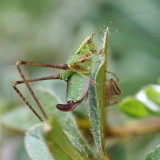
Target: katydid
(76, 73)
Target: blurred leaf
(119, 151)
(154, 155)
(138, 147)
(12, 147)
(59, 144)
(153, 95)
(97, 104)
(66, 120)
(20, 119)
(133, 107)
(21, 152)
(35, 145)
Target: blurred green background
(49, 31)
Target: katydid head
(83, 49)
(87, 46)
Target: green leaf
(59, 144)
(154, 155)
(21, 153)
(145, 103)
(66, 120)
(35, 145)
(20, 119)
(152, 94)
(133, 107)
(97, 104)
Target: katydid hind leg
(39, 79)
(31, 91)
(26, 102)
(57, 66)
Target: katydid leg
(30, 90)
(14, 84)
(39, 79)
(114, 87)
(58, 66)
(26, 102)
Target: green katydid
(76, 73)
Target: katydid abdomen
(77, 88)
